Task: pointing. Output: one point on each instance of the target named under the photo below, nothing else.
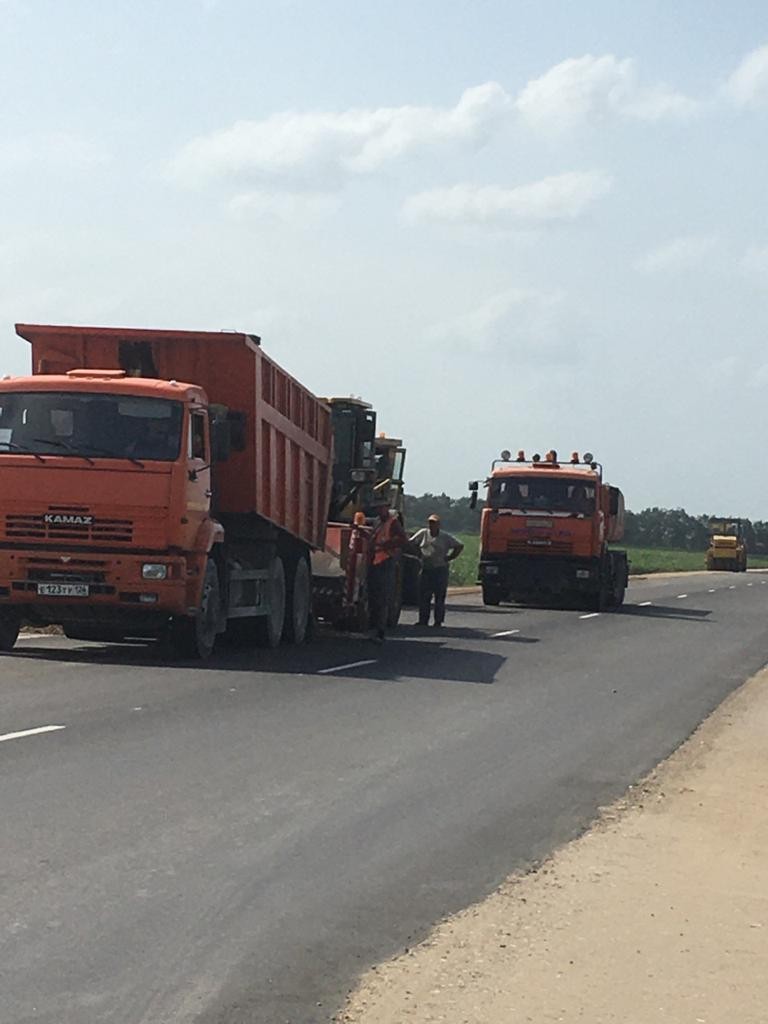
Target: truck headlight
(154, 571)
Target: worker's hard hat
(434, 518)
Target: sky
(504, 224)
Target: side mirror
(221, 441)
(473, 486)
(236, 423)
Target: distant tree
(455, 514)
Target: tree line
(652, 528)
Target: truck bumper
(528, 576)
(108, 587)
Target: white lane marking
(644, 604)
(732, 586)
(711, 590)
(750, 584)
(591, 615)
(681, 596)
(31, 732)
(505, 632)
(764, 582)
(343, 668)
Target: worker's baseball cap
(434, 518)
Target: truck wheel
(10, 624)
(195, 638)
(299, 604)
(268, 629)
(620, 575)
(491, 595)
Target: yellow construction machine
(727, 545)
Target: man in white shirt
(437, 550)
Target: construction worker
(437, 550)
(388, 540)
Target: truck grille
(98, 531)
(542, 546)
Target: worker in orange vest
(388, 540)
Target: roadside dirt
(658, 914)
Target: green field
(649, 560)
(642, 561)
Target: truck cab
(106, 496)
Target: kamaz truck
(159, 483)
(546, 533)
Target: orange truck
(159, 483)
(545, 533)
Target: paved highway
(234, 843)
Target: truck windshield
(542, 494)
(90, 425)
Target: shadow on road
(425, 653)
(483, 609)
(661, 611)
(458, 633)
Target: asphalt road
(234, 843)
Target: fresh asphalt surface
(236, 842)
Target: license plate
(540, 524)
(62, 589)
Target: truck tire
(194, 638)
(268, 629)
(10, 624)
(298, 610)
(491, 595)
(619, 579)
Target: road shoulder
(659, 912)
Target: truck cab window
(98, 425)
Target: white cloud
(286, 207)
(678, 254)
(748, 85)
(582, 88)
(329, 146)
(560, 197)
(53, 148)
(521, 322)
(755, 262)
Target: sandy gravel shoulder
(658, 913)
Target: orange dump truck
(159, 483)
(545, 532)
